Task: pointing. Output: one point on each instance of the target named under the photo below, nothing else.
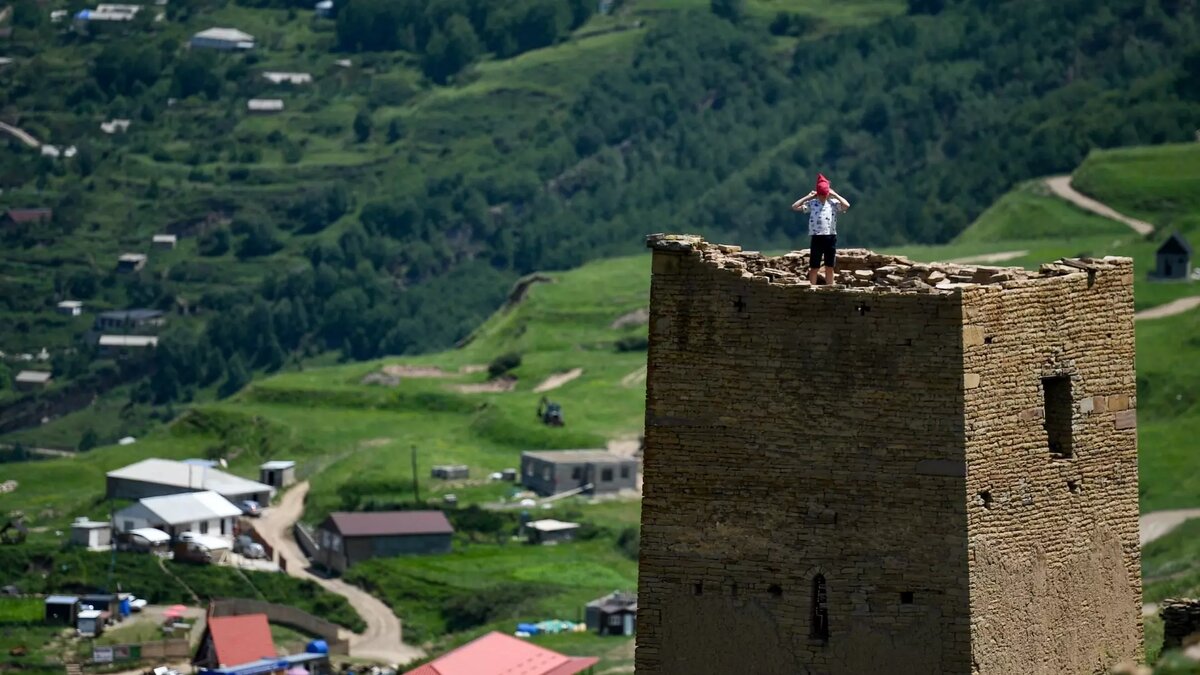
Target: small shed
(105, 602)
(30, 380)
(91, 534)
(164, 241)
(509, 475)
(90, 622)
(278, 473)
(264, 105)
(1173, 260)
(451, 471)
(550, 531)
(614, 614)
(70, 307)
(62, 609)
(131, 262)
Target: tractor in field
(550, 413)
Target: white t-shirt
(822, 216)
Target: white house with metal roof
(157, 477)
(222, 38)
(206, 513)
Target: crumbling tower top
(864, 270)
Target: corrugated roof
(188, 477)
(576, 456)
(151, 534)
(128, 341)
(131, 314)
(187, 507)
(277, 464)
(225, 34)
(61, 599)
(551, 525)
(500, 654)
(385, 523)
(35, 376)
(241, 639)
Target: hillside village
(325, 332)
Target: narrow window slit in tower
(775, 590)
(698, 588)
(987, 339)
(819, 621)
(733, 589)
(906, 597)
(1072, 486)
(985, 498)
(1059, 408)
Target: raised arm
(799, 204)
(841, 200)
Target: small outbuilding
(1173, 260)
(62, 609)
(278, 473)
(111, 345)
(344, 539)
(70, 308)
(26, 216)
(128, 263)
(264, 105)
(550, 531)
(450, 471)
(205, 513)
(614, 614)
(90, 622)
(225, 39)
(32, 380)
(324, 9)
(287, 78)
(91, 534)
(164, 241)
(233, 640)
(130, 320)
(588, 471)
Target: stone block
(970, 380)
(665, 263)
(1118, 402)
(972, 336)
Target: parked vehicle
(249, 548)
(251, 508)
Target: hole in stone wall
(985, 499)
(987, 340)
(1072, 486)
(819, 610)
(698, 588)
(775, 590)
(1059, 408)
(733, 590)
(906, 597)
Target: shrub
(629, 542)
(503, 363)
(633, 343)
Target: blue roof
(61, 599)
(265, 665)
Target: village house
(324, 9)
(591, 471)
(550, 531)
(287, 78)
(115, 345)
(160, 477)
(344, 539)
(264, 105)
(233, 640)
(499, 654)
(32, 380)
(103, 16)
(131, 262)
(61, 609)
(204, 513)
(1173, 260)
(26, 216)
(115, 125)
(278, 473)
(91, 534)
(164, 241)
(129, 320)
(70, 308)
(614, 614)
(227, 39)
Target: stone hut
(926, 468)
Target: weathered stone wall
(792, 433)
(1055, 566)
(1181, 622)
(890, 436)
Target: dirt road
(1061, 187)
(20, 135)
(1169, 309)
(1158, 523)
(381, 641)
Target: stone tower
(930, 468)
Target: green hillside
(443, 150)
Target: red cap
(822, 185)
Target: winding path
(1061, 186)
(20, 135)
(381, 641)
(1169, 309)
(1157, 524)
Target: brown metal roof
(388, 523)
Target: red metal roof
(29, 215)
(241, 639)
(500, 654)
(384, 523)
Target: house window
(547, 473)
(204, 527)
(576, 473)
(819, 621)
(624, 472)
(614, 620)
(606, 475)
(223, 521)
(128, 525)
(529, 469)
(1059, 408)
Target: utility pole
(416, 487)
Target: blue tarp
(317, 647)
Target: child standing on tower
(822, 227)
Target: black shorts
(823, 247)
